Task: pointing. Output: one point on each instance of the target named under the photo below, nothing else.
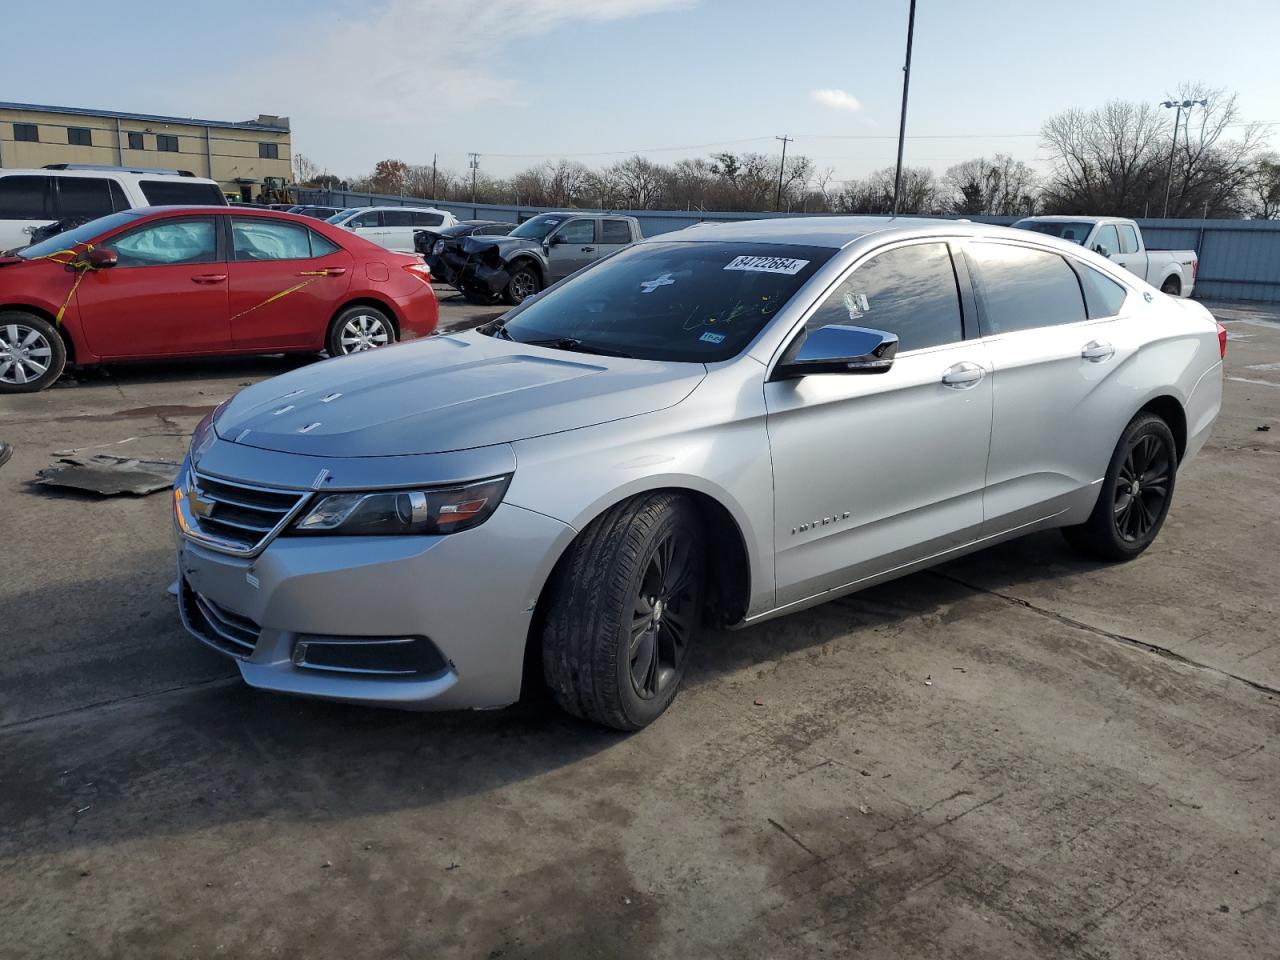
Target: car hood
(446, 393)
(505, 246)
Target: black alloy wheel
(1141, 489)
(663, 616)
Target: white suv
(392, 227)
(31, 199)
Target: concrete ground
(1019, 754)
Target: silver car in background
(719, 425)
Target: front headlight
(204, 434)
(431, 510)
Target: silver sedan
(720, 425)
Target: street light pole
(475, 165)
(1173, 146)
(902, 125)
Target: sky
(520, 81)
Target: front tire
(624, 611)
(32, 354)
(1135, 496)
(524, 283)
(359, 328)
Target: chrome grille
(220, 628)
(233, 516)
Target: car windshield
(676, 301)
(81, 234)
(343, 214)
(537, 227)
(1072, 230)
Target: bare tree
(304, 170)
(920, 193)
(1263, 190)
(1000, 186)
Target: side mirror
(555, 241)
(100, 258)
(1102, 249)
(840, 349)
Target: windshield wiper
(578, 346)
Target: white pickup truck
(1120, 240)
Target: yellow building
(240, 156)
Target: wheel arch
(522, 258)
(1169, 409)
(68, 339)
(366, 300)
(729, 567)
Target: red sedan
(198, 281)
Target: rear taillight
(419, 270)
(1195, 266)
(1222, 341)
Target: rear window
(427, 219)
(1063, 229)
(22, 198)
(179, 192)
(615, 231)
(397, 218)
(676, 301)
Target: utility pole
(433, 177)
(777, 203)
(902, 125)
(475, 166)
(1173, 146)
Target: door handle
(963, 376)
(208, 278)
(588, 250)
(1096, 351)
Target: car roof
(835, 232)
(218, 208)
(1065, 218)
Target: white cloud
(836, 99)
(399, 69)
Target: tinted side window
(615, 231)
(176, 191)
(428, 219)
(1103, 297)
(167, 242)
(909, 291)
(1128, 239)
(1106, 239)
(270, 240)
(367, 219)
(578, 231)
(22, 198)
(1022, 289)
(397, 218)
(322, 246)
(84, 197)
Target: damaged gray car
(537, 253)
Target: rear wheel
(1136, 493)
(32, 355)
(524, 283)
(624, 612)
(358, 329)
(1172, 286)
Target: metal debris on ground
(1264, 428)
(110, 476)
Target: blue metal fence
(1239, 259)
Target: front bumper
(470, 594)
(483, 276)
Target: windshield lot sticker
(648, 286)
(767, 265)
(856, 304)
(712, 338)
